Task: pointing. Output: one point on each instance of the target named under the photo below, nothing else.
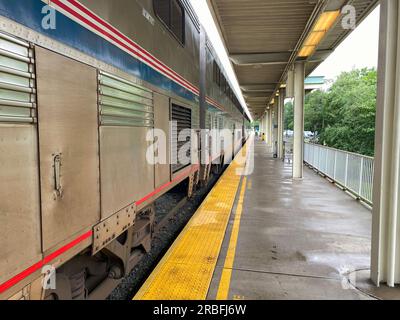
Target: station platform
(267, 236)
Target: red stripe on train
(158, 190)
(116, 31)
(142, 52)
(37, 266)
(110, 36)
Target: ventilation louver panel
(123, 103)
(221, 123)
(181, 120)
(215, 126)
(17, 81)
(208, 121)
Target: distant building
(315, 83)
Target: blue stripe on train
(68, 32)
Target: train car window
(215, 72)
(177, 20)
(172, 15)
(162, 9)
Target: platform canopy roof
(265, 37)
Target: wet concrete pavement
(298, 239)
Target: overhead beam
(258, 87)
(267, 58)
(257, 99)
(333, 5)
(257, 105)
(256, 94)
(320, 55)
(259, 93)
(258, 108)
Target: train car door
(161, 122)
(68, 146)
(126, 134)
(233, 141)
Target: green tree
(344, 116)
(352, 107)
(315, 117)
(288, 116)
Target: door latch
(57, 176)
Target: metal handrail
(352, 171)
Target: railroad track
(167, 228)
(170, 215)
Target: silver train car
(81, 85)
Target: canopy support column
(385, 255)
(270, 128)
(298, 134)
(281, 106)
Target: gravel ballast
(164, 237)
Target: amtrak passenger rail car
(81, 85)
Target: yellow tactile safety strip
(186, 270)
(225, 281)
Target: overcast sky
(359, 50)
